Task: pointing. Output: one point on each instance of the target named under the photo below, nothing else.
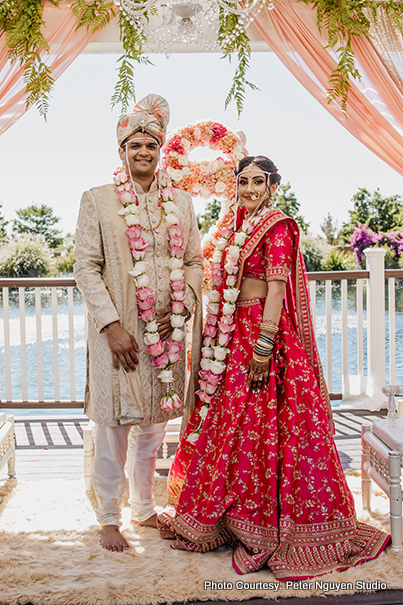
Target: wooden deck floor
(51, 447)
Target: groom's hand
(123, 347)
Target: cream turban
(150, 115)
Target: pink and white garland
(218, 333)
(164, 354)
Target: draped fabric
(65, 45)
(375, 105)
(264, 475)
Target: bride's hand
(258, 375)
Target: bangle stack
(265, 342)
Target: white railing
(43, 334)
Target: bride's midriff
(252, 288)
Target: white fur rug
(50, 555)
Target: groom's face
(141, 153)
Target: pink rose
(144, 293)
(210, 330)
(173, 357)
(225, 328)
(176, 402)
(145, 304)
(138, 243)
(215, 266)
(175, 230)
(225, 232)
(203, 396)
(178, 295)
(177, 251)
(177, 307)
(147, 315)
(161, 361)
(138, 254)
(156, 349)
(167, 193)
(224, 339)
(127, 185)
(216, 279)
(231, 270)
(211, 319)
(127, 196)
(178, 284)
(176, 240)
(208, 341)
(134, 231)
(174, 347)
(215, 379)
(166, 403)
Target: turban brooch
(150, 115)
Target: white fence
(43, 331)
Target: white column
(375, 258)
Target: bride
(257, 466)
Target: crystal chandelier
(193, 22)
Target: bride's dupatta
(296, 298)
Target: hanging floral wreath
(204, 178)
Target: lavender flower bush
(363, 237)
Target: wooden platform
(51, 447)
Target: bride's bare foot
(150, 522)
(112, 539)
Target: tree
(374, 211)
(3, 225)
(39, 220)
(204, 221)
(329, 228)
(286, 201)
(25, 256)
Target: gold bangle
(260, 359)
(268, 323)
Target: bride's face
(252, 187)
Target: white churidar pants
(113, 445)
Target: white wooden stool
(382, 449)
(7, 444)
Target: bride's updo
(262, 162)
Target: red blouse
(271, 259)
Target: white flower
(220, 353)
(213, 296)
(182, 160)
(234, 251)
(169, 207)
(138, 268)
(205, 364)
(213, 308)
(151, 338)
(152, 326)
(123, 211)
(196, 188)
(217, 256)
(177, 335)
(231, 295)
(185, 144)
(174, 263)
(176, 274)
(165, 375)
(205, 192)
(185, 170)
(208, 352)
(132, 208)
(142, 281)
(176, 175)
(222, 242)
(240, 238)
(228, 308)
(203, 411)
(220, 187)
(193, 437)
(217, 367)
(177, 321)
(171, 219)
(132, 219)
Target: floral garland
(204, 178)
(164, 354)
(218, 332)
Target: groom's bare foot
(150, 522)
(112, 539)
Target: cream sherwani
(115, 398)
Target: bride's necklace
(164, 354)
(218, 334)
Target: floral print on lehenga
(264, 474)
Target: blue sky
(53, 163)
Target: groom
(123, 391)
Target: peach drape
(65, 45)
(375, 105)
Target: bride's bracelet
(261, 359)
(268, 324)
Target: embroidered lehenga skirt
(264, 474)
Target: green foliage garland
(22, 20)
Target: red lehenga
(264, 474)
